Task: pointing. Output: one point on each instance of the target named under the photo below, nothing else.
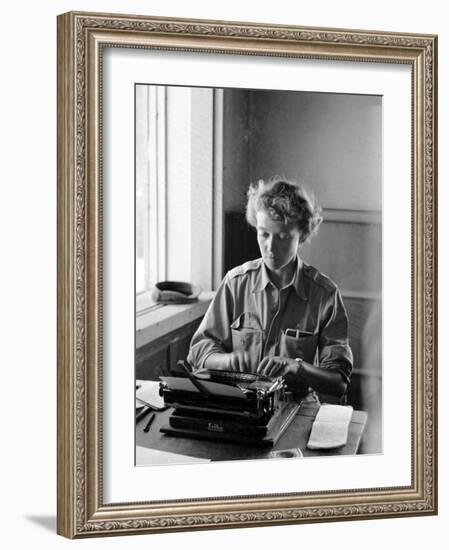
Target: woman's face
(278, 241)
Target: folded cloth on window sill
(330, 427)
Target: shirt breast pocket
(296, 343)
(247, 336)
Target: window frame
(155, 219)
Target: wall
(236, 148)
(329, 141)
(28, 276)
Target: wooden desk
(296, 436)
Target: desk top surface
(296, 436)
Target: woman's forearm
(217, 361)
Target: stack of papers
(330, 428)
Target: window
(178, 198)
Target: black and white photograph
(258, 274)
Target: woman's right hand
(237, 361)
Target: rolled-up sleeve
(334, 350)
(213, 334)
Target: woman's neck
(283, 276)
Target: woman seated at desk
(276, 315)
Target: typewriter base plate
(245, 435)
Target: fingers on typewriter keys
(240, 361)
(262, 365)
(244, 362)
(272, 366)
(281, 367)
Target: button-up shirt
(305, 319)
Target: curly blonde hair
(286, 201)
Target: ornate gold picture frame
(82, 41)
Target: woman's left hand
(277, 366)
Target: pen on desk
(142, 413)
(150, 420)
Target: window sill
(151, 325)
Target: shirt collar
(298, 280)
(263, 279)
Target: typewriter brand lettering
(214, 427)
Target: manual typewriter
(227, 406)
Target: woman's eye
(284, 236)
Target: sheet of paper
(330, 427)
(149, 392)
